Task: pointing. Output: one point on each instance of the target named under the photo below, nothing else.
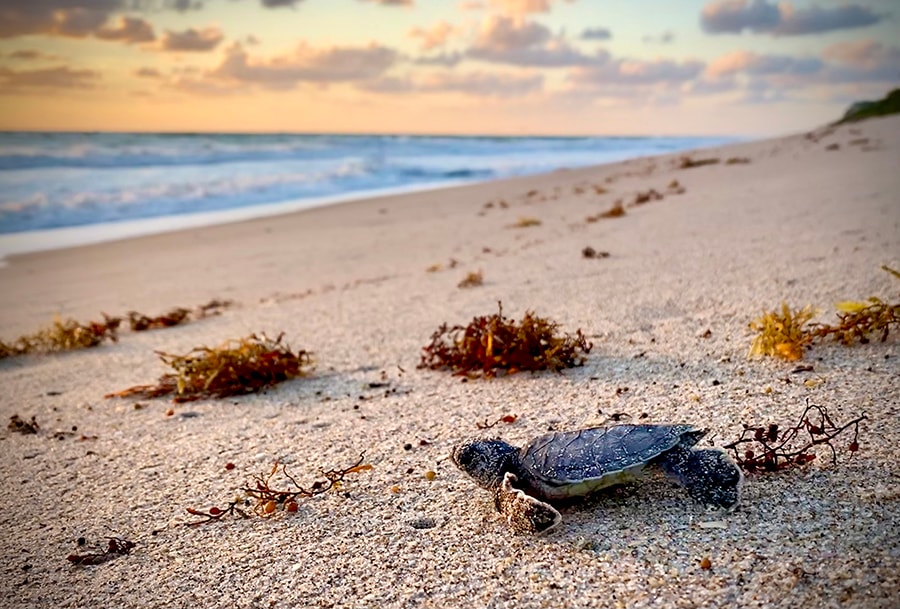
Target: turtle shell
(574, 463)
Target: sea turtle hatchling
(561, 465)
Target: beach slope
(806, 219)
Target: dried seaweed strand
(267, 498)
(115, 547)
(771, 448)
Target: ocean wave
(60, 180)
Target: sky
(505, 67)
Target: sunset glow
(742, 67)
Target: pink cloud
(515, 41)
(433, 37)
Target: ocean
(64, 189)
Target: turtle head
(485, 460)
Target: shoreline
(25, 242)
(804, 219)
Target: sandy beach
(807, 219)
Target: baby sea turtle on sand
(561, 465)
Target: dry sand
(799, 222)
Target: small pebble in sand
(705, 563)
(395, 489)
(430, 475)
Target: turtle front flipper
(524, 513)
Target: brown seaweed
(235, 367)
(176, 316)
(772, 447)
(493, 343)
(64, 335)
(115, 547)
(525, 222)
(687, 162)
(471, 280)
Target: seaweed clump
(525, 222)
(770, 448)
(782, 334)
(617, 210)
(493, 343)
(235, 367)
(687, 162)
(786, 334)
(64, 335)
(175, 317)
(472, 280)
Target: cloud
(735, 16)
(624, 71)
(862, 61)
(279, 3)
(815, 20)
(130, 30)
(392, 2)
(60, 77)
(520, 8)
(203, 87)
(183, 6)
(476, 84)
(863, 54)
(191, 40)
(307, 64)
(764, 75)
(667, 37)
(518, 42)
(147, 72)
(73, 18)
(759, 65)
(447, 60)
(709, 86)
(501, 33)
(31, 55)
(433, 37)
(596, 33)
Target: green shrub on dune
(868, 109)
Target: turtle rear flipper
(709, 475)
(524, 513)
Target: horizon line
(374, 134)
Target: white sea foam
(58, 190)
